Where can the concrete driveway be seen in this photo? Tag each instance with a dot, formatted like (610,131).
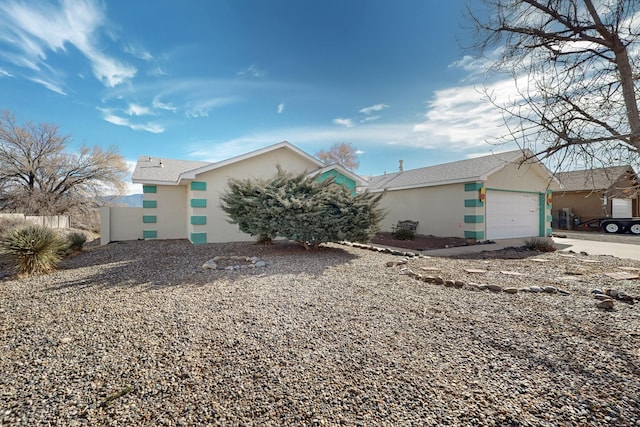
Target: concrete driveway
(595,243)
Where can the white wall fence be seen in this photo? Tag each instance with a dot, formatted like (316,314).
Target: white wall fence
(52,221)
(120,223)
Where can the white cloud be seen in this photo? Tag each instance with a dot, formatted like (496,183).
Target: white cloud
(138,110)
(373,108)
(280,108)
(252,71)
(370,119)
(159,105)
(343,122)
(34,32)
(138,52)
(202,107)
(5,73)
(109,116)
(52,86)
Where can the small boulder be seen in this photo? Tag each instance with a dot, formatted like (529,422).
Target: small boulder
(211,264)
(601,297)
(550,289)
(535,289)
(494,288)
(510,290)
(611,292)
(597,291)
(606,304)
(458,284)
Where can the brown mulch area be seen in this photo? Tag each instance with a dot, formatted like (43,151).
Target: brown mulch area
(420,243)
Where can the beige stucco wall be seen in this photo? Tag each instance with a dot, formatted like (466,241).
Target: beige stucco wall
(217,227)
(440,210)
(120,224)
(523,178)
(171,211)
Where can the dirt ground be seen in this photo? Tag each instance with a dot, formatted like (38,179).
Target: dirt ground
(420,243)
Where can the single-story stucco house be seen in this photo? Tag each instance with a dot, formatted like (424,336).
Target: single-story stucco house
(497,196)
(491,197)
(182,198)
(611,192)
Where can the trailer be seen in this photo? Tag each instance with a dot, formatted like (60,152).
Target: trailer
(614,225)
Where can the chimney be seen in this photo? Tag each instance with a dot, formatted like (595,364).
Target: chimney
(400,168)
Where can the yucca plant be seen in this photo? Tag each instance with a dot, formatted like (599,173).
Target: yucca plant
(34,248)
(76,241)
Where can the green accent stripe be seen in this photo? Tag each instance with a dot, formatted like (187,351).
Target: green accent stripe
(473,219)
(149,219)
(198,203)
(149,189)
(149,203)
(198,238)
(542,215)
(473,203)
(473,186)
(478,235)
(150,234)
(198,186)
(198,220)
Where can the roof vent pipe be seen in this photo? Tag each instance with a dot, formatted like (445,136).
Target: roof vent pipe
(400,168)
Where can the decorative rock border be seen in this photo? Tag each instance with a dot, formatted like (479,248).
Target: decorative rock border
(606,298)
(460,284)
(380,249)
(244,262)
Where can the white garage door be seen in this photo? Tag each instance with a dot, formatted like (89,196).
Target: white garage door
(621,208)
(511,215)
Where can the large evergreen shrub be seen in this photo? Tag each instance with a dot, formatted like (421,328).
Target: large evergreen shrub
(300,208)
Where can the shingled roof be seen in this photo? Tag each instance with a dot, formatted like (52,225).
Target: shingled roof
(469,170)
(594,179)
(154,170)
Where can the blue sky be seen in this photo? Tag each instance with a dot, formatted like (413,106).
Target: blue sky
(210,79)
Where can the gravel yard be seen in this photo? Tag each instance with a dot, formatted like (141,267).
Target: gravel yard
(138,333)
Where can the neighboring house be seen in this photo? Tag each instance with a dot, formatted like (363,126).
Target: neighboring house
(182,198)
(611,192)
(491,197)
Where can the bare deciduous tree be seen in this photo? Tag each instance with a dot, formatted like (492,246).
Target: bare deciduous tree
(341,153)
(576,68)
(38,177)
